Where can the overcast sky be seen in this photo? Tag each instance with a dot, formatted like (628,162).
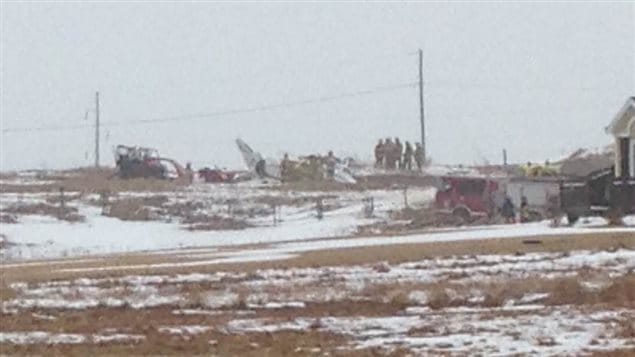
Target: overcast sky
(538,79)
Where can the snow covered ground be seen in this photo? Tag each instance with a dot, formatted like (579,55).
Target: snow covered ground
(38,236)
(305,284)
(445,306)
(554,331)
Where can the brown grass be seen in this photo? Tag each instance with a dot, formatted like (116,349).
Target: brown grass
(392,254)
(315,185)
(6,293)
(56,199)
(45,209)
(214,223)
(291,201)
(8,218)
(130,209)
(441,297)
(138,322)
(568,291)
(183,209)
(626,329)
(563,291)
(248,345)
(621,292)
(497,294)
(625,352)
(15,188)
(91,180)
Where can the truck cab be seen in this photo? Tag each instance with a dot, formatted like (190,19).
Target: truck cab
(466,197)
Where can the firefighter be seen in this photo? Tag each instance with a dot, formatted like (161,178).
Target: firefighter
(407,157)
(524,210)
(389,154)
(398,153)
(419,155)
(379,154)
(507,211)
(189,173)
(331,161)
(284,168)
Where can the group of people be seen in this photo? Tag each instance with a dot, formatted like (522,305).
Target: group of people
(393,155)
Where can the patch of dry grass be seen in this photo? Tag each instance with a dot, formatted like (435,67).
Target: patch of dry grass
(626,329)
(621,291)
(400,253)
(291,201)
(104,179)
(45,209)
(6,293)
(135,209)
(214,223)
(37,188)
(567,291)
(392,254)
(91,180)
(183,209)
(8,218)
(624,352)
(316,185)
(210,343)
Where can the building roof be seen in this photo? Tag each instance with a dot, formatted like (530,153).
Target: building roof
(623,124)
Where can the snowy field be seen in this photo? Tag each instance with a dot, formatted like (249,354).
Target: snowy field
(38,236)
(144,278)
(531,304)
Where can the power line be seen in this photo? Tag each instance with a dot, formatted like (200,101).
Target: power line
(47,128)
(255,109)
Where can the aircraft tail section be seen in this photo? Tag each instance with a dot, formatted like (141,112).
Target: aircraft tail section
(250,157)
(256,163)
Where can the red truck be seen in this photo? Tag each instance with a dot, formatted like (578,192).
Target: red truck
(467,197)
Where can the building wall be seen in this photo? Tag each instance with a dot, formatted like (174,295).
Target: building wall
(632,156)
(618,158)
(626,151)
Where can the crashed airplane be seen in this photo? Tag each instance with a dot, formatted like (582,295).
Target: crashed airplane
(270,168)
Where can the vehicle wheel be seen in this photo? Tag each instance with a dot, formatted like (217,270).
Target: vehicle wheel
(463,214)
(572,218)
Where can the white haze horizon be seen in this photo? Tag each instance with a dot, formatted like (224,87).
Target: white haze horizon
(540,80)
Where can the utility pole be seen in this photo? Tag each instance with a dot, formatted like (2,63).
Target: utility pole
(97,130)
(505,157)
(421,111)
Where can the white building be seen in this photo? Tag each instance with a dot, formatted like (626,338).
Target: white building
(623,129)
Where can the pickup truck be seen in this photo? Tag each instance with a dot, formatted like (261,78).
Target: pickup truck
(599,194)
